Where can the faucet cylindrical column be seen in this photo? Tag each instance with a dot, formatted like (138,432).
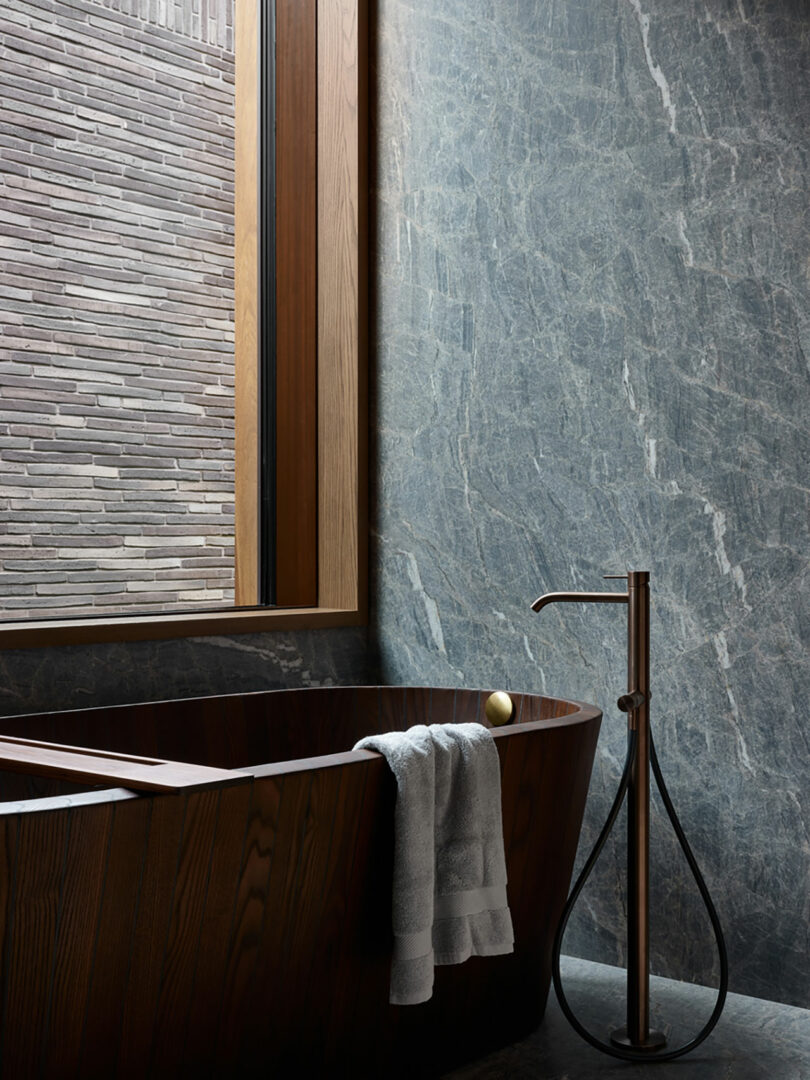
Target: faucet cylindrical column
(638,812)
(637,1034)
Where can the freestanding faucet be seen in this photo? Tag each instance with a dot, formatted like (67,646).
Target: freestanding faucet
(635,1041)
(636,703)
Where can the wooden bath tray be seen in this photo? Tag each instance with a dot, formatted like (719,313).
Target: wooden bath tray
(102,766)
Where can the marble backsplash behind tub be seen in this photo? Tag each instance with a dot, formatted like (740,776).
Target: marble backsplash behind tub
(85,676)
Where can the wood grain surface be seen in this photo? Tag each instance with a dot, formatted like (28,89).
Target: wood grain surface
(206,933)
(246,300)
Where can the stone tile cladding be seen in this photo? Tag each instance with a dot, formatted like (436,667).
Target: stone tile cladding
(116,305)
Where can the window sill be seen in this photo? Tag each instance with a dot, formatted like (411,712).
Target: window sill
(36,634)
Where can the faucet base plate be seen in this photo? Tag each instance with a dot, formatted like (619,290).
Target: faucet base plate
(656,1040)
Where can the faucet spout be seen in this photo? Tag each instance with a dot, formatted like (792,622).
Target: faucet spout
(580,598)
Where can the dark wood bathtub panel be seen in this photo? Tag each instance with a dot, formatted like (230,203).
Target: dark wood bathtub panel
(16,786)
(467,708)
(520,713)
(42,843)
(357,1023)
(9,843)
(531,709)
(183,940)
(294,990)
(79,910)
(101,1031)
(417,707)
(531,775)
(249,912)
(362,955)
(200,1037)
(583,753)
(552,708)
(539,868)
(151,932)
(559,797)
(338,729)
(286,723)
(288,726)
(391,706)
(295,835)
(331,947)
(367,711)
(232,739)
(246,734)
(224,730)
(330,723)
(205,720)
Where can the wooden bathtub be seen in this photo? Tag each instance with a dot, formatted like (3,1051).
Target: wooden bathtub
(246,924)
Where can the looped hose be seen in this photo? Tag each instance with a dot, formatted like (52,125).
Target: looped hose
(606,1048)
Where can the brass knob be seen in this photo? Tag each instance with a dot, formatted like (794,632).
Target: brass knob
(500,708)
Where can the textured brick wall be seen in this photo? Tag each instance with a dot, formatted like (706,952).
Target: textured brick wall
(116,304)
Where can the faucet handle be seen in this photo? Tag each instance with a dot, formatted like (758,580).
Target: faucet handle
(614,577)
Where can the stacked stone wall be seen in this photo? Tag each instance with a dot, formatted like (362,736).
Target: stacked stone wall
(116,305)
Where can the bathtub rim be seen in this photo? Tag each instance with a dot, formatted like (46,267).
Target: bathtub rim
(581,713)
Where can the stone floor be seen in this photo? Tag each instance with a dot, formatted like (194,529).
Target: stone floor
(753,1040)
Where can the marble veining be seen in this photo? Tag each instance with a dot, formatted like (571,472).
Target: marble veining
(592,354)
(83,676)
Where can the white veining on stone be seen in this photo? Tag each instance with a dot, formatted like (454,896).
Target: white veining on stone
(650,455)
(736,571)
(628,386)
(699,110)
(657,74)
(721,648)
(689,257)
(529,652)
(431,607)
(735,158)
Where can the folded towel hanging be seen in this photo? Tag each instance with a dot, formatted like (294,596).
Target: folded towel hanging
(449,890)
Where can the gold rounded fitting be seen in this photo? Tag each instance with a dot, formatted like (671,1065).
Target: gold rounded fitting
(499,708)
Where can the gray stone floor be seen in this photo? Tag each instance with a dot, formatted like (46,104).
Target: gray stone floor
(753,1040)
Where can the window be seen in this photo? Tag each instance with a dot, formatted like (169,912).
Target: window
(308,538)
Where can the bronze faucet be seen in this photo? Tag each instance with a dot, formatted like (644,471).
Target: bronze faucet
(636,703)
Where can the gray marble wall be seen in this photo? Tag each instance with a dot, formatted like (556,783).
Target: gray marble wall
(593,239)
(83,676)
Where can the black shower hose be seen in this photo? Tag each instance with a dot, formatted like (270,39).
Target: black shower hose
(606,1048)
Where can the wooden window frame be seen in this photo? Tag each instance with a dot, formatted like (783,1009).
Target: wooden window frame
(321,398)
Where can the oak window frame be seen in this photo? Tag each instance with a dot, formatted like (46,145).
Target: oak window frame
(320,398)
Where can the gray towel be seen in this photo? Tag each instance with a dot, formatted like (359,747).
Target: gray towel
(449,896)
